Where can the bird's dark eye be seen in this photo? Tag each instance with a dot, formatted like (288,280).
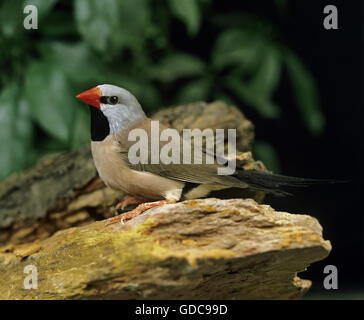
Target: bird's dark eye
(113,100)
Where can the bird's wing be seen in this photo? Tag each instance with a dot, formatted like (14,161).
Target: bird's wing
(195,173)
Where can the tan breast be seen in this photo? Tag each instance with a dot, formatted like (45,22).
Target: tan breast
(117,175)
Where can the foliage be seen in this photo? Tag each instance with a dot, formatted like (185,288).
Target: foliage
(134,44)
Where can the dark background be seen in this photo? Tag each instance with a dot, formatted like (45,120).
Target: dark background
(335,58)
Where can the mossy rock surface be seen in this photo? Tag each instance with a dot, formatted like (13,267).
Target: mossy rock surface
(203,249)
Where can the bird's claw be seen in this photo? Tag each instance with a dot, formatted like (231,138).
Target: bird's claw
(137,211)
(116,219)
(129,201)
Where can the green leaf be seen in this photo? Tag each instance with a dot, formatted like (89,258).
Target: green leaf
(77,61)
(258,92)
(50,98)
(196,90)
(266,153)
(96,21)
(109,25)
(187,11)
(16,131)
(257,68)
(262,104)
(237,47)
(266,79)
(81,128)
(135,22)
(305,93)
(177,66)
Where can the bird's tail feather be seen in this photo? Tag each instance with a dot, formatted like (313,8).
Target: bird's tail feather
(273,183)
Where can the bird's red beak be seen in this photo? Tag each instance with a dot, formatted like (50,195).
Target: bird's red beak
(91,97)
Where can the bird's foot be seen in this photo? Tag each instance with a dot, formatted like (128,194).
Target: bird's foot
(137,211)
(130,200)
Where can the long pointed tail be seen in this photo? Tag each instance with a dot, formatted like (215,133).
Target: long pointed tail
(274,183)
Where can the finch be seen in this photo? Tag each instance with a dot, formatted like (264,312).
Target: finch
(115,112)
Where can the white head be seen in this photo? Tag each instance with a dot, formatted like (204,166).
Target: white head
(118,105)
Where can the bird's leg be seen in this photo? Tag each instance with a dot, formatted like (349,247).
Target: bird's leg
(167,124)
(130,200)
(138,210)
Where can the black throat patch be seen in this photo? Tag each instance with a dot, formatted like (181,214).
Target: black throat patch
(100,128)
